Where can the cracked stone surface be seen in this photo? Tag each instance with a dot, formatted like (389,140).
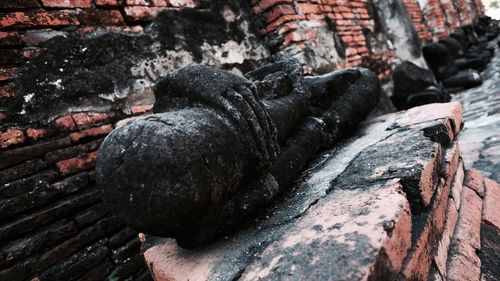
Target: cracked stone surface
(480,138)
(356,214)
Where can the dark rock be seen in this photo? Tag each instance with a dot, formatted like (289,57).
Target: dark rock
(441,63)
(410,78)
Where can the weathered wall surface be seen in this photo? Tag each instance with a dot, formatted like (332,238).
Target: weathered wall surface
(326,35)
(65,82)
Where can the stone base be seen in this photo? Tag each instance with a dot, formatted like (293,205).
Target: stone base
(393,202)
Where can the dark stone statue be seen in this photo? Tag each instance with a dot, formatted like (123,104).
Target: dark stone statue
(414,86)
(220,147)
(442,64)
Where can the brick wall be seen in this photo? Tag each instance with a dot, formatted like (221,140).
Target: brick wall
(435,19)
(53,223)
(300,27)
(450,12)
(420,23)
(25,24)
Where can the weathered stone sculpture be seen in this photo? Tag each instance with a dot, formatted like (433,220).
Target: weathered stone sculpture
(441,63)
(414,86)
(221,147)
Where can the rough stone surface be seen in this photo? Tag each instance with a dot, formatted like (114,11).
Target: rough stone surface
(480,140)
(463,262)
(369,236)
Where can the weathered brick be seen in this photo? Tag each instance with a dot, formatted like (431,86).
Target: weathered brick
(19,4)
(36,134)
(100,17)
(121,237)
(65,123)
(92,132)
(474,180)
(141,13)
(26,223)
(318,243)
(39,19)
(18,155)
(73,244)
(72,152)
(72,184)
(22,170)
(67,3)
(463,263)
(44,237)
(10,39)
(453,205)
(107,2)
(491,206)
(84,120)
(140,109)
(11,137)
(78,264)
(77,164)
(28,184)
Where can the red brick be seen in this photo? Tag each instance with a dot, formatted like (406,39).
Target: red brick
(92,132)
(141,13)
(67,3)
(8,91)
(39,19)
(99,16)
(36,134)
(279,11)
(137,2)
(139,109)
(65,123)
(266,4)
(474,180)
(107,2)
(491,205)
(463,263)
(7,73)
(11,137)
(83,120)
(19,4)
(309,8)
(10,39)
(77,164)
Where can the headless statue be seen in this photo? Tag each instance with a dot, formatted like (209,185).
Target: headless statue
(442,64)
(220,148)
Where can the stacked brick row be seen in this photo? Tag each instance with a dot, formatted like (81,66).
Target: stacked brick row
(463,11)
(436,19)
(451,14)
(53,223)
(296,22)
(25,24)
(415,12)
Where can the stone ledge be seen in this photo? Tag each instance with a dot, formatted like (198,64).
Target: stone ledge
(363,211)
